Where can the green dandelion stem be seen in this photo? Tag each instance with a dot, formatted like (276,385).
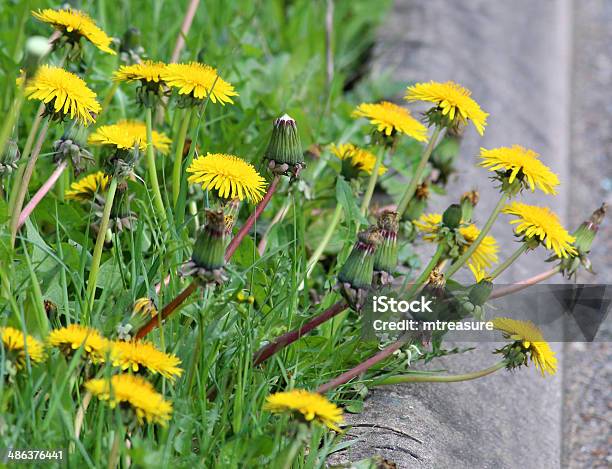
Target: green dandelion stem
(97,254)
(312,262)
(280,215)
(367,197)
(435,378)
(365,365)
(416,178)
(25,154)
(508,262)
(178,155)
(288,338)
(12,115)
(287,456)
(485,230)
(113,458)
(427,271)
(21,187)
(152,170)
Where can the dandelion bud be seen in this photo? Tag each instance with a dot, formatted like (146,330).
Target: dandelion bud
(469,200)
(355,276)
(121,216)
(385,257)
(9,158)
(585,235)
(451,218)
(284,151)
(72,147)
(418,203)
(208,257)
(479,293)
(36,47)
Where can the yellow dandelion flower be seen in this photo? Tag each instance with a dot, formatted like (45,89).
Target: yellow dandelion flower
(137,393)
(454,100)
(522,163)
(389,118)
(542,224)
(358,157)
(74,24)
(485,254)
(146,307)
(126,134)
(86,188)
(229,175)
(429,223)
(134,356)
(479,273)
(344,151)
(71,338)
(18,347)
(529,336)
(311,407)
(148,72)
(198,80)
(64,94)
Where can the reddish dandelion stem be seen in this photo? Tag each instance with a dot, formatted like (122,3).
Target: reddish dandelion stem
(44,189)
(174,304)
(286,339)
(518,286)
(167,311)
(364,366)
(233,245)
(184,32)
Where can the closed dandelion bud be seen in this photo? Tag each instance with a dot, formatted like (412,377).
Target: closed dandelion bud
(418,203)
(284,151)
(355,276)
(72,146)
(121,216)
(121,163)
(10,157)
(208,257)
(451,218)
(584,237)
(479,293)
(585,234)
(469,200)
(385,256)
(36,48)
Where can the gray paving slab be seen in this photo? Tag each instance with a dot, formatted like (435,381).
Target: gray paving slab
(516,57)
